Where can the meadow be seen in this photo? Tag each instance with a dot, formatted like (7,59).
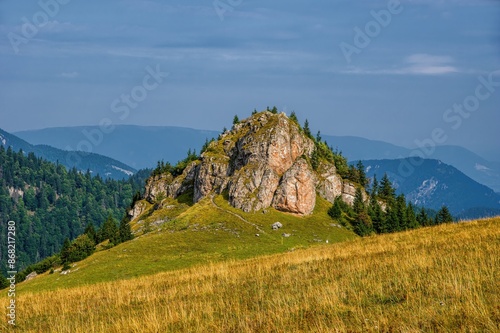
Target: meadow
(436,279)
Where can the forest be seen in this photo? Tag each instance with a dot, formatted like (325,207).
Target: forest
(49,203)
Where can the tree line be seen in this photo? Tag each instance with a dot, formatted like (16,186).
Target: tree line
(380,210)
(50,203)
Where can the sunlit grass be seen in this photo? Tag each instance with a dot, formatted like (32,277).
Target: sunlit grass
(439,279)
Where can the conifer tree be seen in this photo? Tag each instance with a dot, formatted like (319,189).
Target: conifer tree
(422,218)
(236,120)
(90,231)
(410,215)
(361,174)
(307,130)
(386,191)
(124,230)
(64,254)
(443,216)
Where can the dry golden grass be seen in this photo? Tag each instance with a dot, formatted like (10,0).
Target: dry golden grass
(440,279)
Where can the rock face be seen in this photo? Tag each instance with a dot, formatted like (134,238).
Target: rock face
(262,161)
(296,192)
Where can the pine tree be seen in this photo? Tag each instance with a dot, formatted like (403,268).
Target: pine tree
(335,211)
(358,205)
(401,213)
(108,230)
(410,215)
(293,117)
(391,221)
(422,218)
(125,231)
(376,214)
(90,231)
(318,137)
(236,120)
(274,110)
(363,224)
(443,216)
(374,191)
(254,112)
(361,174)
(64,254)
(307,130)
(386,191)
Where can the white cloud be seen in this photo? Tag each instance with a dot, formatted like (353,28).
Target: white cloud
(69,75)
(416,64)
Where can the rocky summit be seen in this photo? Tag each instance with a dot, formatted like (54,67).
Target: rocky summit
(263,161)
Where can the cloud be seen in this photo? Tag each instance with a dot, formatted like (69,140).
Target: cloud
(69,75)
(426,64)
(416,64)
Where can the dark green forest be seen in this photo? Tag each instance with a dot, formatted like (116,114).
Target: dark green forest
(50,203)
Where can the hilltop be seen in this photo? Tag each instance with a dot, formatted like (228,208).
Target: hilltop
(266,160)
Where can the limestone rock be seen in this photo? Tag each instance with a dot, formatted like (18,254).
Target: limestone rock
(329,184)
(276,225)
(297,191)
(262,161)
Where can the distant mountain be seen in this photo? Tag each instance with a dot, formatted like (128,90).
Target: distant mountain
(143,147)
(473,165)
(138,146)
(433,183)
(98,164)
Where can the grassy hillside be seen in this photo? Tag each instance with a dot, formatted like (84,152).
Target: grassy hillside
(210,231)
(439,279)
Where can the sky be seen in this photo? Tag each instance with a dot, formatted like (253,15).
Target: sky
(412,73)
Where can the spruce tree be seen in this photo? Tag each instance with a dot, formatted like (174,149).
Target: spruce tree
(90,231)
(422,218)
(65,251)
(401,213)
(410,215)
(361,174)
(358,205)
(443,216)
(236,120)
(386,191)
(307,130)
(124,230)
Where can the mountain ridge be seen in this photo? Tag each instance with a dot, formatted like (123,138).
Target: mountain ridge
(95,163)
(137,146)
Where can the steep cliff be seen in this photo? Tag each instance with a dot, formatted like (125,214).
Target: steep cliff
(263,161)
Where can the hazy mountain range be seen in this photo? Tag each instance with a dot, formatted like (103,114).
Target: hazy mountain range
(142,147)
(95,163)
(433,184)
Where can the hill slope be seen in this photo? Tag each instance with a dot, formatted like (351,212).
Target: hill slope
(98,164)
(442,278)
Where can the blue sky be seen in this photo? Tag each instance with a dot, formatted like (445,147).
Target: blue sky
(421,60)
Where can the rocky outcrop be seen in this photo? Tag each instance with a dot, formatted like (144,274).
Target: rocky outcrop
(296,192)
(330,184)
(262,161)
(165,185)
